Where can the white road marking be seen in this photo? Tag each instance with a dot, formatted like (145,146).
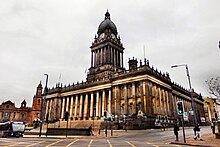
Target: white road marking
(130,143)
(54,142)
(35,143)
(72,142)
(109,143)
(18,143)
(90,143)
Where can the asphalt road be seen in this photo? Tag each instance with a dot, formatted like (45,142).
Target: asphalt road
(148,138)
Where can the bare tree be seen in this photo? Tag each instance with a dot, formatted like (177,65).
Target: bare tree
(213,86)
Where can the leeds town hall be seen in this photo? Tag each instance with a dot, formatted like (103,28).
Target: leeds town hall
(110,89)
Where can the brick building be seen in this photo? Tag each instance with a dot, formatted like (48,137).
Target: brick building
(8,112)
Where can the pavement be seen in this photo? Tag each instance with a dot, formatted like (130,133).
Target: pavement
(208,139)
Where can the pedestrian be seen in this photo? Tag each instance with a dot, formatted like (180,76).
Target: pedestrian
(163,126)
(90,130)
(213,127)
(197,130)
(176,129)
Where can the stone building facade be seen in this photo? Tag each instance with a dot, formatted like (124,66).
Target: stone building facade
(8,112)
(113,89)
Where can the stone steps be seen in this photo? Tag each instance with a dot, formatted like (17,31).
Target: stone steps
(76,124)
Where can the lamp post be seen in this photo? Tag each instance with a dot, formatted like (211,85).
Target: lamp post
(43,105)
(190,86)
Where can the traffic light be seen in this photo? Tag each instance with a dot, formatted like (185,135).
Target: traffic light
(180,107)
(66,116)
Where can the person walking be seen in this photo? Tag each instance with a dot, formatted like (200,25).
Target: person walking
(213,127)
(197,130)
(90,130)
(176,129)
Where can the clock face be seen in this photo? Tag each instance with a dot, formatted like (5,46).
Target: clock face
(102,35)
(113,36)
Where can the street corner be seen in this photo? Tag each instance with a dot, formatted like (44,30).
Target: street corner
(206,141)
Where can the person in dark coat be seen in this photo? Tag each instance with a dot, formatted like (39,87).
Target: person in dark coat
(213,127)
(176,129)
(197,130)
(90,130)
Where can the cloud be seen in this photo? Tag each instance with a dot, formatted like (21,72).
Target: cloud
(51,36)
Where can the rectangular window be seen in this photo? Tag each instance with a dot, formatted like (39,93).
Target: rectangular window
(38,102)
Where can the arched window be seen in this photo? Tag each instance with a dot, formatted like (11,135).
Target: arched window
(22,116)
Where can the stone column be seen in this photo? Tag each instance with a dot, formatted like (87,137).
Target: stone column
(117,100)
(100,106)
(142,90)
(103,102)
(67,104)
(91,107)
(76,105)
(145,96)
(101,56)
(86,107)
(71,107)
(50,110)
(165,102)
(55,108)
(99,60)
(63,105)
(122,59)
(59,107)
(110,55)
(134,98)
(173,104)
(161,101)
(97,105)
(80,106)
(116,57)
(91,59)
(104,54)
(109,101)
(113,56)
(125,99)
(95,58)
(47,106)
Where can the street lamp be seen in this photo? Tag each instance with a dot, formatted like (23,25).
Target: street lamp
(190,86)
(43,105)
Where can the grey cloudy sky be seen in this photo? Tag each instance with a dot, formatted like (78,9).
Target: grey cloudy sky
(54,36)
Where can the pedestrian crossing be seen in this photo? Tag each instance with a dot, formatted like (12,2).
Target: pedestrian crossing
(78,142)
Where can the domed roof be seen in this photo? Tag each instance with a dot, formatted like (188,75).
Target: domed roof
(107,24)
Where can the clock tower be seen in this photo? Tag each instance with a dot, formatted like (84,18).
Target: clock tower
(106,51)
